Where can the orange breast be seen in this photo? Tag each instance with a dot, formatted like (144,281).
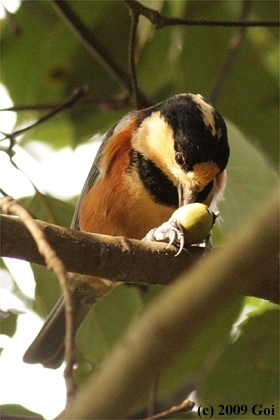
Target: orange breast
(118,204)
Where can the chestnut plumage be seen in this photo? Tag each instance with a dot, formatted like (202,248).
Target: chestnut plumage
(152,162)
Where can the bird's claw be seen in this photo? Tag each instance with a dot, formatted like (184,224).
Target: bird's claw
(208,243)
(171,231)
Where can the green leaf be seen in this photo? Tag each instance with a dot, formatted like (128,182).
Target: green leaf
(251,96)
(58,131)
(49,209)
(55,211)
(248,371)
(48,290)
(190,59)
(8,324)
(104,325)
(18,410)
(251,179)
(207,346)
(97,121)
(12,307)
(46,62)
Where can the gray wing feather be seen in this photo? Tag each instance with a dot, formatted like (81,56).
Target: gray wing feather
(48,346)
(94,170)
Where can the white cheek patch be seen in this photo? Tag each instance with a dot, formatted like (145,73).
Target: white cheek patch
(208,114)
(154,137)
(155,140)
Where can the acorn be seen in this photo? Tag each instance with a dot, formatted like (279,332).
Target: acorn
(188,225)
(196,220)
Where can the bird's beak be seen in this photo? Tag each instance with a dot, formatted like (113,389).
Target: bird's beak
(186,195)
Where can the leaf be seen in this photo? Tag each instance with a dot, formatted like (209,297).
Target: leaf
(12,302)
(18,410)
(104,325)
(251,179)
(45,63)
(49,209)
(190,59)
(210,343)
(94,121)
(251,96)
(47,290)
(8,325)
(55,211)
(248,371)
(58,131)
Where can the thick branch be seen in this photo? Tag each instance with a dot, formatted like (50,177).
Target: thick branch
(113,258)
(127,260)
(172,321)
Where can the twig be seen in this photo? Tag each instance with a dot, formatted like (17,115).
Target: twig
(8,150)
(96,49)
(117,102)
(11,153)
(153,397)
(9,205)
(185,406)
(159,20)
(230,60)
(3,192)
(132,42)
(13,25)
(76,96)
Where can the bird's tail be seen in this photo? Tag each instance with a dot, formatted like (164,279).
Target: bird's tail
(48,347)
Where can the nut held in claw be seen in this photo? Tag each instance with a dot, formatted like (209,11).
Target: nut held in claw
(189,224)
(196,220)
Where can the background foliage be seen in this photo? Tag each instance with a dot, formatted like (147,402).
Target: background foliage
(43,62)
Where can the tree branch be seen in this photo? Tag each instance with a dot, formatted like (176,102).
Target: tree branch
(113,258)
(121,259)
(235,44)
(53,262)
(159,20)
(76,96)
(116,102)
(96,49)
(172,321)
(184,407)
(132,65)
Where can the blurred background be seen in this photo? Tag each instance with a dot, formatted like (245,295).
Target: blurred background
(43,63)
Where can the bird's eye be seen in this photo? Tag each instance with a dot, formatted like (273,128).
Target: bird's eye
(179,158)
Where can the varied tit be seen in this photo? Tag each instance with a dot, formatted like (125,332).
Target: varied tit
(189,224)
(152,162)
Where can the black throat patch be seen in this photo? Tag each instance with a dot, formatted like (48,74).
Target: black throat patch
(155,181)
(161,189)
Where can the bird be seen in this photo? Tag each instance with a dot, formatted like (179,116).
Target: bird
(153,161)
